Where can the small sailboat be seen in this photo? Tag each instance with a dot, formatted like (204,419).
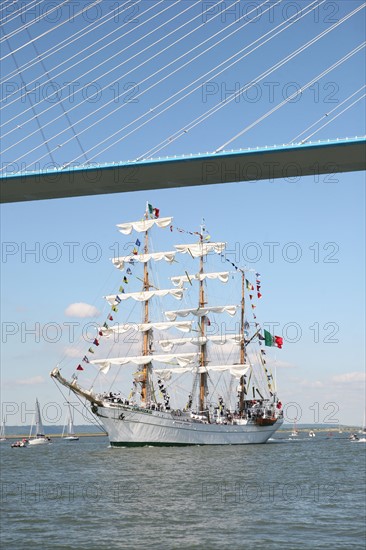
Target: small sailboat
(294,432)
(2,432)
(68,433)
(40,438)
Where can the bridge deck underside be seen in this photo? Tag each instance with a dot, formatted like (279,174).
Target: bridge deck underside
(253,165)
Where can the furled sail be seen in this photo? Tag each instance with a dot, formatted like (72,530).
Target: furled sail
(182,359)
(184,326)
(235,370)
(166,374)
(143,225)
(199,312)
(223,276)
(143,296)
(143,258)
(168,344)
(200,249)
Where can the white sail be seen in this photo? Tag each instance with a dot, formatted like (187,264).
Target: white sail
(166,374)
(143,258)
(235,370)
(181,359)
(183,326)
(38,420)
(200,249)
(2,431)
(143,225)
(223,276)
(70,425)
(220,339)
(68,433)
(144,295)
(199,312)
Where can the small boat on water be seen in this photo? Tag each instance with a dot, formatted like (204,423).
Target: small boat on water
(68,433)
(40,438)
(294,432)
(311,433)
(22,444)
(354,437)
(2,432)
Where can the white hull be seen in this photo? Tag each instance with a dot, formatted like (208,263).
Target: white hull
(71,438)
(38,441)
(128,426)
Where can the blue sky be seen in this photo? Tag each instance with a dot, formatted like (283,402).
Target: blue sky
(325,217)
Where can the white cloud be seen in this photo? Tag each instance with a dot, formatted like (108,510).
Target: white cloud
(80,309)
(31,381)
(349,377)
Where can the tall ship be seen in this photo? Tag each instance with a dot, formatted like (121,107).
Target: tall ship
(197,375)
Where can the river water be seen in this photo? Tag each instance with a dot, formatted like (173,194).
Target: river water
(288,494)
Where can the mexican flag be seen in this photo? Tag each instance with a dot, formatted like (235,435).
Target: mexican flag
(268,340)
(272,341)
(154,212)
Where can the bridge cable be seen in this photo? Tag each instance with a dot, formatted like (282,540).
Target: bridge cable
(216,108)
(55,119)
(333,118)
(290,98)
(114,68)
(67,42)
(99,120)
(293,140)
(52,29)
(19,11)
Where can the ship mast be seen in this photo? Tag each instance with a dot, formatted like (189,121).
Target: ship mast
(242,345)
(203,375)
(145,345)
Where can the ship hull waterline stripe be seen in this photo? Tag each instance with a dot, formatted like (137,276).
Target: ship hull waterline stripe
(155,444)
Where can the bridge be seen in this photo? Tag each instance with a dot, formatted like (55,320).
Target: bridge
(289,162)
